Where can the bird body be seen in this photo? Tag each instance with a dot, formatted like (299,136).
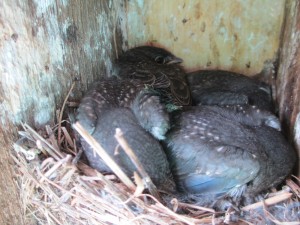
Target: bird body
(229,143)
(146,78)
(126,104)
(157,68)
(147,149)
(210,153)
(112,93)
(217,87)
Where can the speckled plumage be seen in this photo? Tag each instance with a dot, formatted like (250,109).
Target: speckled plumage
(157,68)
(217,87)
(213,152)
(127,104)
(115,93)
(145,146)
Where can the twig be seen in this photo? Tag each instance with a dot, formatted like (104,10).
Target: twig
(247,222)
(102,153)
(51,138)
(160,207)
(77,157)
(269,201)
(61,113)
(113,190)
(293,186)
(55,167)
(274,220)
(50,149)
(68,137)
(139,187)
(186,205)
(44,210)
(147,180)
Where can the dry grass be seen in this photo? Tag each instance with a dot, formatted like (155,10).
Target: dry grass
(56,188)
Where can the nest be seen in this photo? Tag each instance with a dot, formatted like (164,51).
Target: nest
(58,187)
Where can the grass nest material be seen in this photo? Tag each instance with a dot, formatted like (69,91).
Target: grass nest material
(58,187)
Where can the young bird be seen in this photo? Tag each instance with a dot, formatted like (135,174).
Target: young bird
(126,104)
(217,87)
(157,68)
(235,151)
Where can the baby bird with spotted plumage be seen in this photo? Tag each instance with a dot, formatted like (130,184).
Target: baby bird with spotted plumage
(228,145)
(136,101)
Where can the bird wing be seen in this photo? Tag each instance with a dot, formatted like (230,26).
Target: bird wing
(217,97)
(212,169)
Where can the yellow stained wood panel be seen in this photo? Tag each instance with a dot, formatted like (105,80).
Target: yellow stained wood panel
(236,35)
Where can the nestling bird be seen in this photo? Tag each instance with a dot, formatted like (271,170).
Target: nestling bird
(128,105)
(115,93)
(147,149)
(157,68)
(215,153)
(217,87)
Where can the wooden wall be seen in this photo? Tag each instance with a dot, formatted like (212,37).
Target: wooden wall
(288,78)
(235,35)
(44,47)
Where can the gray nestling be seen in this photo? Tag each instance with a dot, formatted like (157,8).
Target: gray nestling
(217,87)
(157,68)
(213,153)
(115,93)
(128,105)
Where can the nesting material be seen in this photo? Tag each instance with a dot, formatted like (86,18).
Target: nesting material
(57,187)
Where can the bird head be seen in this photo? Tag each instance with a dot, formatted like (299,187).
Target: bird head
(171,59)
(154,54)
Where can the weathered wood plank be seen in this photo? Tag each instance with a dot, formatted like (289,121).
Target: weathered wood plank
(44,47)
(288,80)
(11,212)
(210,34)
(47,45)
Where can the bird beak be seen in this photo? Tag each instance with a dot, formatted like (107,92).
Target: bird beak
(175,60)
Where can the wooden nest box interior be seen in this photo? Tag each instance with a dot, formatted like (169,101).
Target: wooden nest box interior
(46,46)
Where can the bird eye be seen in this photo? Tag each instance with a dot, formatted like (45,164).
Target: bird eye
(160,60)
